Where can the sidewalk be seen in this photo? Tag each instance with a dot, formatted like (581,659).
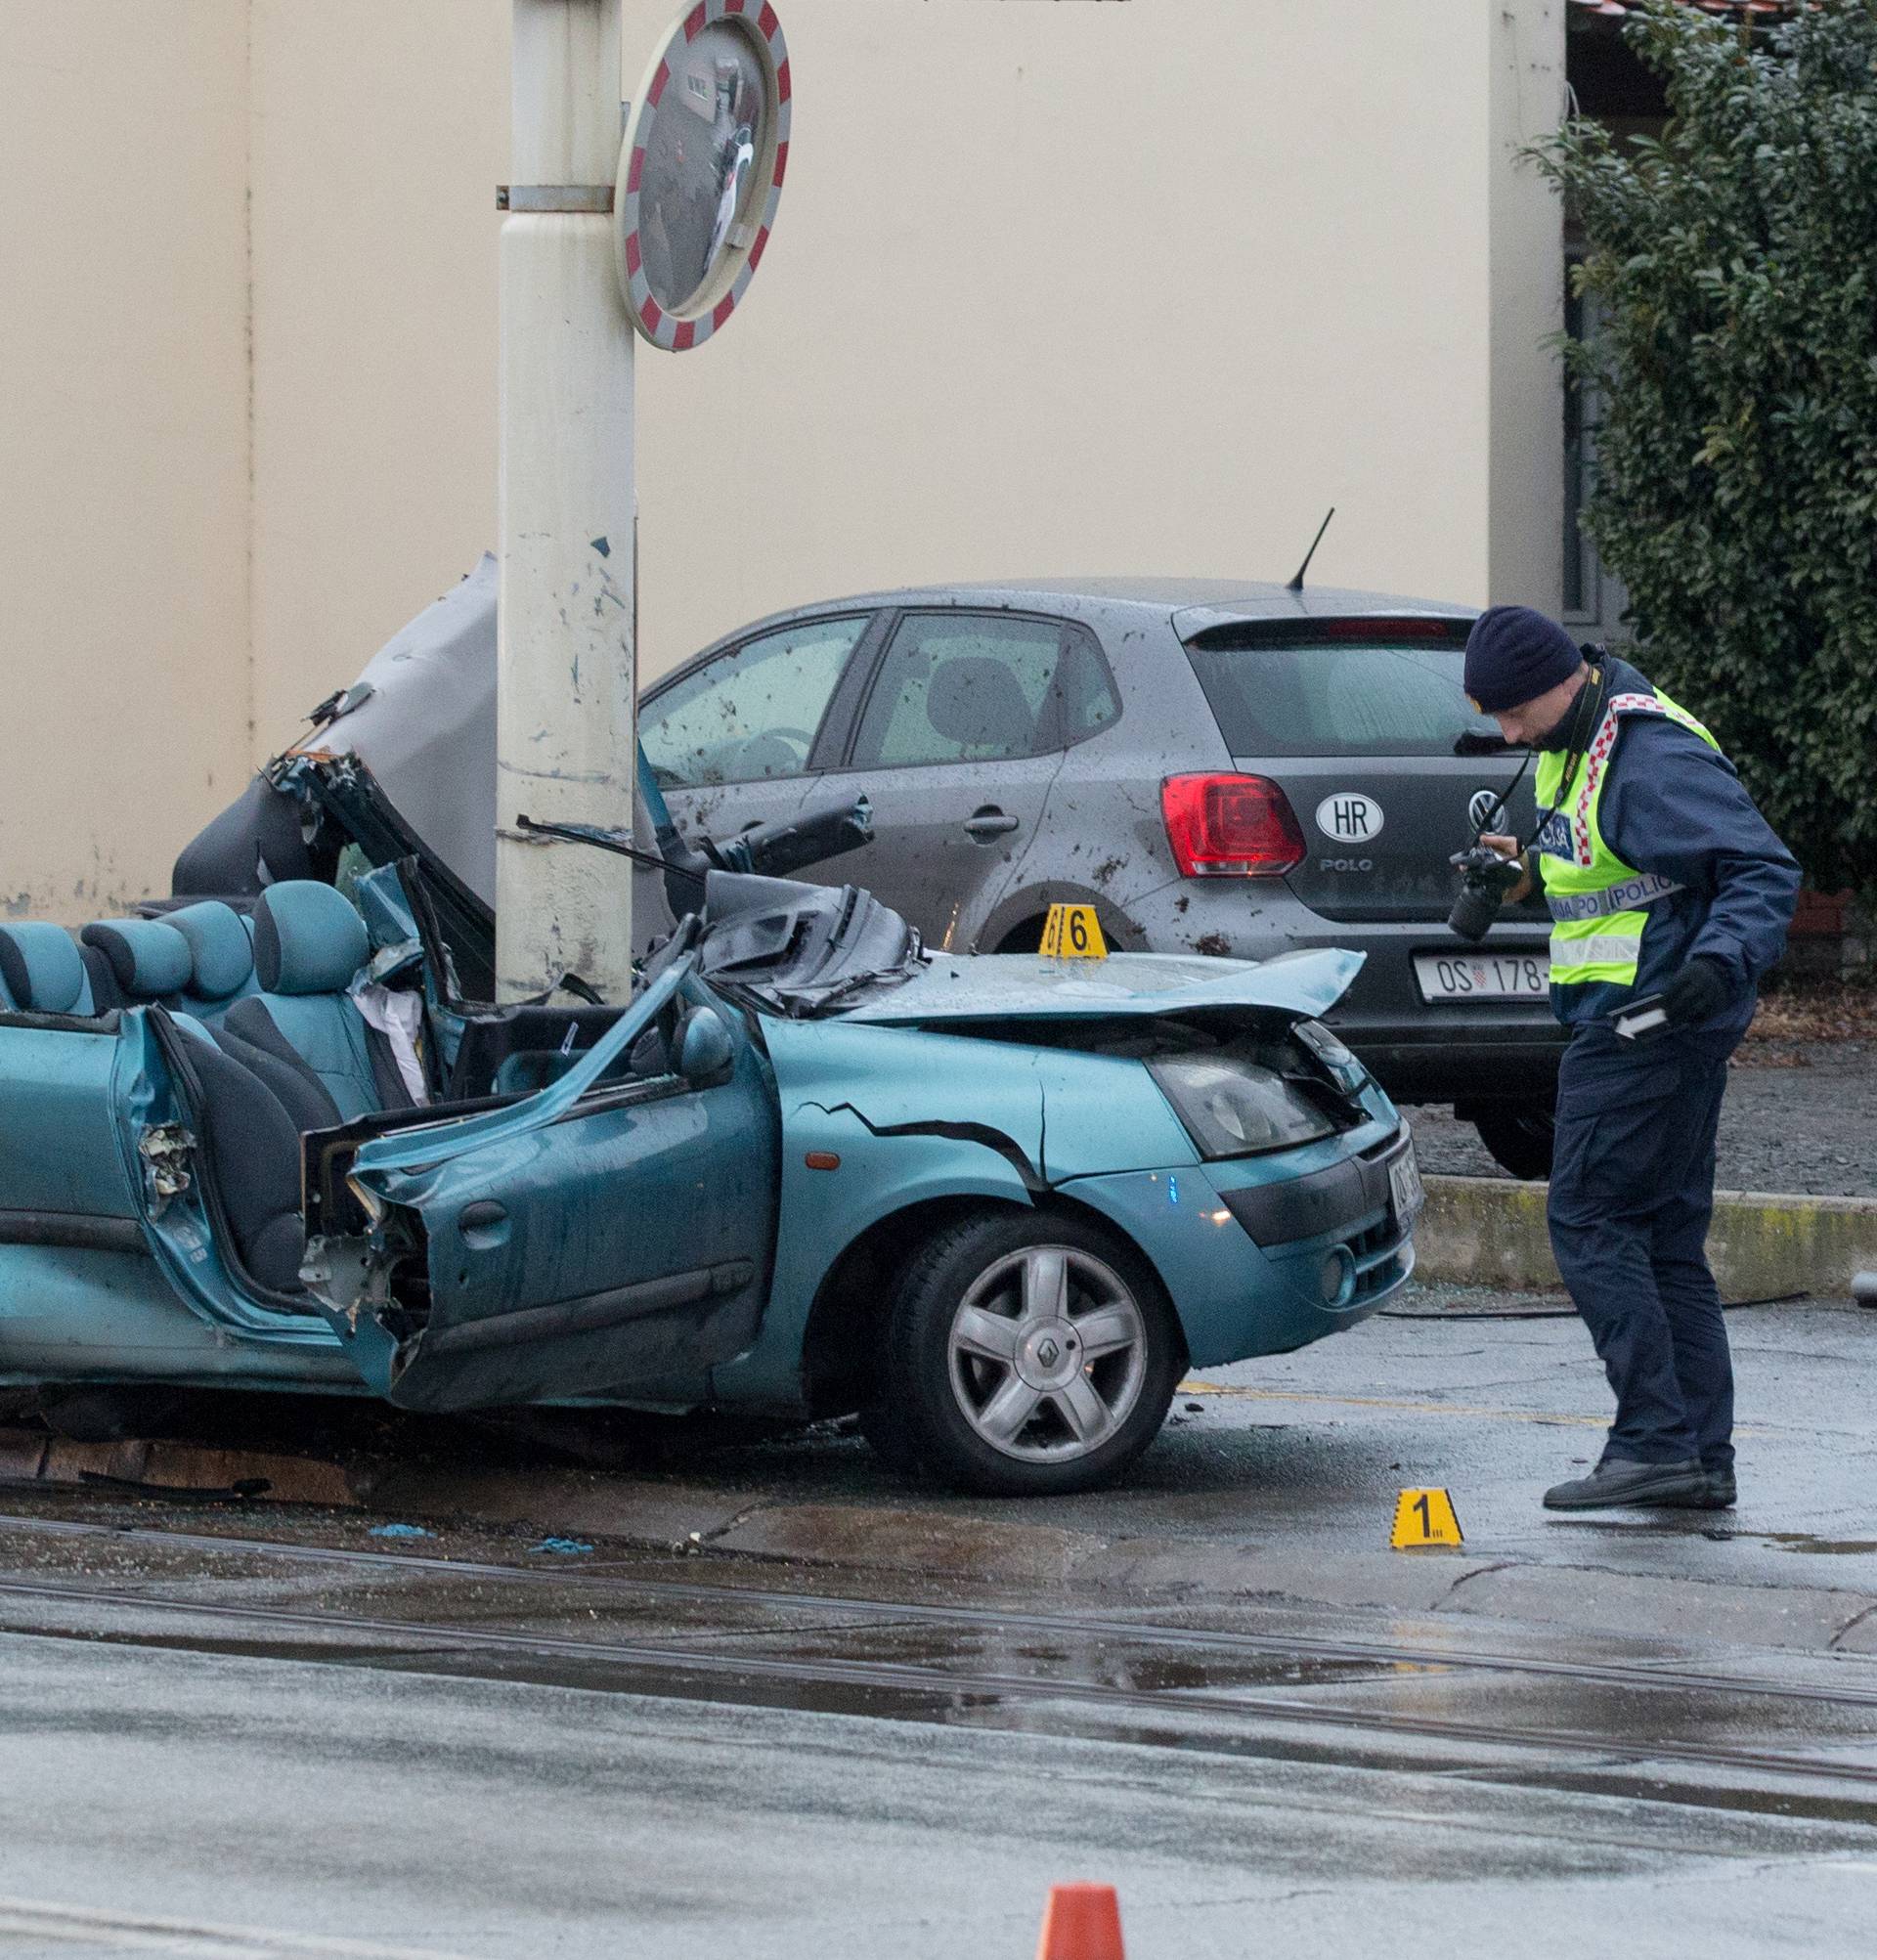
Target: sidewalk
(1799,1117)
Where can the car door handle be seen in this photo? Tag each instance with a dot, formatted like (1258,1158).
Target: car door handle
(483,1224)
(990,821)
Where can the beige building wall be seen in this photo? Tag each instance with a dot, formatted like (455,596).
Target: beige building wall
(123,442)
(1056,288)
(1095,288)
(380,133)
(1525,481)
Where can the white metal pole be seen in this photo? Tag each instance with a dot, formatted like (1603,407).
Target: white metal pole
(564,717)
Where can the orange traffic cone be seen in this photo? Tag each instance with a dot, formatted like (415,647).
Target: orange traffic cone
(1081,1922)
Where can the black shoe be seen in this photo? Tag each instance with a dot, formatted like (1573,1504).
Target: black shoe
(1619,1481)
(1722,1491)
(1719,1493)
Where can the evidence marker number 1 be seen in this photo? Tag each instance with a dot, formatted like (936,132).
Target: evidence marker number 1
(1424,1517)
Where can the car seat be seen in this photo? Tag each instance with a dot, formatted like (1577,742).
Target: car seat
(132,961)
(221,945)
(979,705)
(253,1146)
(42,971)
(309,944)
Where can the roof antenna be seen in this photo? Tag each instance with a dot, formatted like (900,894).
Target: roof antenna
(1296,584)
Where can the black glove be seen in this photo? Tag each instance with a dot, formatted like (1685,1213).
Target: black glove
(1700,991)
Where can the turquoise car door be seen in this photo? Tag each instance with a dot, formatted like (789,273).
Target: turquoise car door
(63,1177)
(610,1238)
(79,1294)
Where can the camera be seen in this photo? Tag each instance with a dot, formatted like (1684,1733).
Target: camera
(1485,878)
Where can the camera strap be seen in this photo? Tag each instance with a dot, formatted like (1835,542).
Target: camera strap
(1584,720)
(1498,810)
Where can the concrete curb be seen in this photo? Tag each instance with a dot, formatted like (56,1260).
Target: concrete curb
(1490,1232)
(690,1519)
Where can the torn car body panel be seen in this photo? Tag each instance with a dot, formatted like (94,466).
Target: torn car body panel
(879,1122)
(626,1245)
(611,1232)
(1028,986)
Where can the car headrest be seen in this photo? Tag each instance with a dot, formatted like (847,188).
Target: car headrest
(307,938)
(979,704)
(40,968)
(221,946)
(148,958)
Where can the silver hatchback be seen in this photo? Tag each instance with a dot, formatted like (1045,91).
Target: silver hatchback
(1240,769)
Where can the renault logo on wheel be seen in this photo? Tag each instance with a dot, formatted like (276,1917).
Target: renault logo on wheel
(1349,817)
(1481,807)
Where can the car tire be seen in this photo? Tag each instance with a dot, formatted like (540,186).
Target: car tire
(1023,1411)
(1520,1134)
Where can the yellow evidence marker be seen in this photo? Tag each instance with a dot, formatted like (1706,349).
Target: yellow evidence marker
(1074,933)
(1424,1517)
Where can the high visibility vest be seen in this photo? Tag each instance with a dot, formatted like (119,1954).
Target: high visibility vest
(1598,904)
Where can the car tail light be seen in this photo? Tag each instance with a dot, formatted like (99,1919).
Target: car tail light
(1230,827)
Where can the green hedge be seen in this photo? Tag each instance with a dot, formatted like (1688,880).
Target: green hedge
(1735,265)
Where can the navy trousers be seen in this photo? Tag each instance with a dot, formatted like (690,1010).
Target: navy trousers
(1631,1194)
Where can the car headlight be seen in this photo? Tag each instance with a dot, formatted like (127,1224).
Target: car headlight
(1344,1069)
(1233,1107)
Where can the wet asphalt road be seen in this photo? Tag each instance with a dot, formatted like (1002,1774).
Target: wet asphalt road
(1798,1117)
(404,1810)
(1298,1458)
(579,1761)
(399,1809)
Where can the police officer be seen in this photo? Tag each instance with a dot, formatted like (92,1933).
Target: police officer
(1662,879)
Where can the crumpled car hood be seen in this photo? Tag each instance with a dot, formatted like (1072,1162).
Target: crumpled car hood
(1025,986)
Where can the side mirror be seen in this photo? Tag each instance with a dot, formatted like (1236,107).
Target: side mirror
(704,1051)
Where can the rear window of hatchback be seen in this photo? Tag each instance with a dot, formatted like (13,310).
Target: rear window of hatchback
(1340,687)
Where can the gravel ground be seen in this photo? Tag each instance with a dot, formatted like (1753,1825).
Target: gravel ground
(1797,1118)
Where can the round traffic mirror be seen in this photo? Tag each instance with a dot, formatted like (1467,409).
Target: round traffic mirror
(700,170)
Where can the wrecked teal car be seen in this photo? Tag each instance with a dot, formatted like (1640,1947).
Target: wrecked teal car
(993,1206)
(997,1205)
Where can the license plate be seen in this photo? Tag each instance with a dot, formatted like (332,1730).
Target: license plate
(1405,1188)
(1483,976)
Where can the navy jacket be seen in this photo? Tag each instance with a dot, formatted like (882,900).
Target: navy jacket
(1673,804)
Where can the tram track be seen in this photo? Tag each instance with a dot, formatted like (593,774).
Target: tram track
(1242,1721)
(1304,1649)
(439,1644)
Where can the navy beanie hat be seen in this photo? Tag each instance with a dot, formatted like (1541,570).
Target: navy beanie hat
(1513,655)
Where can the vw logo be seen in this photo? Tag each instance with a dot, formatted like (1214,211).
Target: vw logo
(1480,808)
(1349,817)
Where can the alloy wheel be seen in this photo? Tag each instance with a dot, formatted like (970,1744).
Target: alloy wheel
(1048,1353)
